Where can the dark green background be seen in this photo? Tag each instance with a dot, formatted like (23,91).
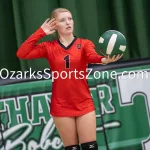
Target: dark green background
(21,18)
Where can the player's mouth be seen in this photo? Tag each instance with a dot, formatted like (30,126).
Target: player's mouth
(69,27)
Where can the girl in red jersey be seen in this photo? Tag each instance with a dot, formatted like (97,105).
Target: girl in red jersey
(72,107)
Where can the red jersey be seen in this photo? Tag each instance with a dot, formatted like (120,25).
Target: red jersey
(70,91)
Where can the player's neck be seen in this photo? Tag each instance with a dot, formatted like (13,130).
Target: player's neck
(66,39)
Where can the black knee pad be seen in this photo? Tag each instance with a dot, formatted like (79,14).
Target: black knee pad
(72,147)
(90,146)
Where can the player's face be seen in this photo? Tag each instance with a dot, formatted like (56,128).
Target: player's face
(64,23)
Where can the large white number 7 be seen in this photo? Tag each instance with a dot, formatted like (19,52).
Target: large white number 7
(129,88)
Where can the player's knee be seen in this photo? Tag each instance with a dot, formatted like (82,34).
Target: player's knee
(72,147)
(90,146)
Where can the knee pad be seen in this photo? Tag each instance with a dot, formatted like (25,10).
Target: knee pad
(90,146)
(72,147)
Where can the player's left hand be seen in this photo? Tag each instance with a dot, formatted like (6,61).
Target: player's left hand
(109,59)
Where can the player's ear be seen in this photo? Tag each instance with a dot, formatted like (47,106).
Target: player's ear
(56,24)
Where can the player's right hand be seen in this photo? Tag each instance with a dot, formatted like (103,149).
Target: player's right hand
(49,26)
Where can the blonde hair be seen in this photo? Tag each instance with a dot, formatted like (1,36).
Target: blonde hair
(58,10)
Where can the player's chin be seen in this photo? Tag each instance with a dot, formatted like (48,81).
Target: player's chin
(69,32)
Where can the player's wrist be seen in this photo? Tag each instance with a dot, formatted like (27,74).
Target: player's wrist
(104,61)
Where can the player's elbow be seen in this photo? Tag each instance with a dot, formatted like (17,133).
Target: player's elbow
(20,55)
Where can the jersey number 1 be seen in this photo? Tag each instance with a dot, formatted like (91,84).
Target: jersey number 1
(67,61)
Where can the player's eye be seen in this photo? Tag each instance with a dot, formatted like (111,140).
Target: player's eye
(69,18)
(61,20)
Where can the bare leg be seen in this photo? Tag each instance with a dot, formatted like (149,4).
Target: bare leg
(86,127)
(66,126)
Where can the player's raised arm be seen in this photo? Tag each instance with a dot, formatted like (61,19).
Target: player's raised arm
(29,49)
